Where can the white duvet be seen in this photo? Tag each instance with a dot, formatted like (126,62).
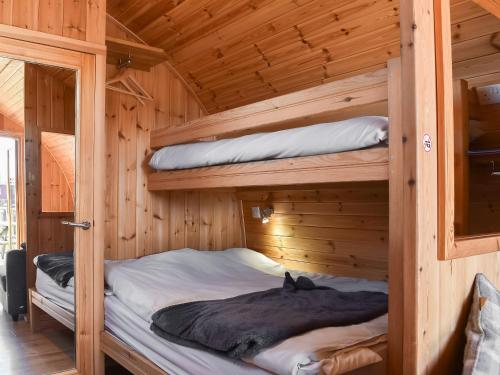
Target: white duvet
(327,138)
(148,284)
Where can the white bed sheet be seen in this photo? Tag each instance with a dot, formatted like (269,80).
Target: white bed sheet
(150,283)
(352,134)
(64,297)
(174,359)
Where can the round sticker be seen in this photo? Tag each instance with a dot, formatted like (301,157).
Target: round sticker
(427,142)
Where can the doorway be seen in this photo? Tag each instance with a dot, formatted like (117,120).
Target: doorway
(9,238)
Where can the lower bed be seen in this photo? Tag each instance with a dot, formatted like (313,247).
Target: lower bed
(139,288)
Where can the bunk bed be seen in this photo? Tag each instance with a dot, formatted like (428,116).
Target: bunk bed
(349,98)
(371,94)
(53,299)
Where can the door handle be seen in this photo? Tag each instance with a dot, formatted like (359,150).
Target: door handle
(85,225)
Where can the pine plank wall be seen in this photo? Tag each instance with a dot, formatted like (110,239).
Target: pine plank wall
(83,20)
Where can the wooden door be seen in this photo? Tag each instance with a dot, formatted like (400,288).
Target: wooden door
(89,191)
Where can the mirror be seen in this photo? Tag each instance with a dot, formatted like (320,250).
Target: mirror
(37,192)
(468,83)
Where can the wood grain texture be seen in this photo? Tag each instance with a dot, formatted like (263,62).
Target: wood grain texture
(137,221)
(437,293)
(57,195)
(237,53)
(340,229)
(83,20)
(322,103)
(48,184)
(361,165)
(45,352)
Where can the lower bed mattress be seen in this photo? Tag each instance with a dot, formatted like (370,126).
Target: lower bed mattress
(64,297)
(325,351)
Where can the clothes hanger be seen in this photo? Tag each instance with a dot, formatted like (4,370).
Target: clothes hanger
(125,83)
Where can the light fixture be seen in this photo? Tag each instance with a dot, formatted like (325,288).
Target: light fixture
(263,214)
(266,214)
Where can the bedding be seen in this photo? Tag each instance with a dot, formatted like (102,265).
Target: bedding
(148,284)
(58,266)
(244,325)
(352,134)
(179,360)
(64,297)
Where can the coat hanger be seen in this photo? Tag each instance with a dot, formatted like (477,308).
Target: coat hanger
(125,83)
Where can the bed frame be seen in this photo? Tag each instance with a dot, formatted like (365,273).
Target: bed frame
(137,364)
(376,93)
(366,94)
(38,304)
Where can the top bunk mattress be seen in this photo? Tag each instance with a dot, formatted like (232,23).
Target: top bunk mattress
(327,138)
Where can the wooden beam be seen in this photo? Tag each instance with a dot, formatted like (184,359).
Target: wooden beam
(461,157)
(362,165)
(396,220)
(419,202)
(122,353)
(492,6)
(63,316)
(143,57)
(296,109)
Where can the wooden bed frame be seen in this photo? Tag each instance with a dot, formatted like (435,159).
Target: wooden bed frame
(366,94)
(38,304)
(377,93)
(137,364)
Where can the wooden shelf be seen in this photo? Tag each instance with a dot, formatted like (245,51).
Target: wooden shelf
(144,57)
(362,165)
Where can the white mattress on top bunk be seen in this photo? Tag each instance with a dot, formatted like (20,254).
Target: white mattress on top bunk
(143,286)
(352,134)
(64,297)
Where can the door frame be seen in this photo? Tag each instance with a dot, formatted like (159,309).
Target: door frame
(89,61)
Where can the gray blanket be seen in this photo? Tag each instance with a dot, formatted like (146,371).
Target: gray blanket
(58,266)
(244,325)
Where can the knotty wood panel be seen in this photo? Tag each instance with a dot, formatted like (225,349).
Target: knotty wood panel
(83,20)
(12,89)
(139,222)
(44,110)
(57,196)
(236,53)
(339,228)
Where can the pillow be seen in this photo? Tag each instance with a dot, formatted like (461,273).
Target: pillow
(482,354)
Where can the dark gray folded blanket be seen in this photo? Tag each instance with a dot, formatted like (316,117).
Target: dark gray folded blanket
(244,325)
(59,266)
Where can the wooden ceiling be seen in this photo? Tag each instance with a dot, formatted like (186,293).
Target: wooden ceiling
(12,90)
(233,53)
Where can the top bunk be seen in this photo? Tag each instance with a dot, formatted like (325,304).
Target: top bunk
(344,101)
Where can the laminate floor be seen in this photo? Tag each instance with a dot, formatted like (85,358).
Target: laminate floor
(25,353)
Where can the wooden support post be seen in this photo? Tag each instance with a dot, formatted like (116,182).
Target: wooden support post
(419,202)
(34,314)
(461,157)
(396,214)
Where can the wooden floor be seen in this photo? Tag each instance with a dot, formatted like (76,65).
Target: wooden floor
(23,352)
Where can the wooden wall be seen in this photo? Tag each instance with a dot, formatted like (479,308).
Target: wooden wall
(137,221)
(444,288)
(340,229)
(77,19)
(57,194)
(44,110)
(10,127)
